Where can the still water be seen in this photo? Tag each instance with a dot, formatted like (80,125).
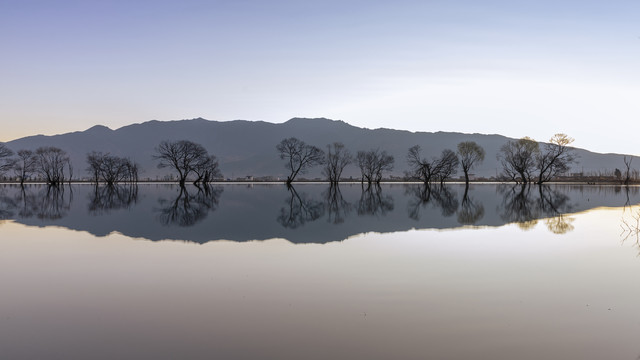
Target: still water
(266,272)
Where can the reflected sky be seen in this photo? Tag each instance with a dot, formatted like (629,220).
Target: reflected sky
(476,293)
(306,213)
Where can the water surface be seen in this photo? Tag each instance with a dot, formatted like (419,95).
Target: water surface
(154,272)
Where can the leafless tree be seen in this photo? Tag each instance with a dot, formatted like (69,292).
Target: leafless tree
(6,162)
(446,165)
(518,158)
(373,164)
(338,157)
(438,168)
(299,156)
(110,168)
(51,163)
(206,169)
(420,168)
(470,154)
(183,156)
(556,158)
(25,165)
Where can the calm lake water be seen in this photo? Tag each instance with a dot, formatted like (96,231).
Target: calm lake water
(263,272)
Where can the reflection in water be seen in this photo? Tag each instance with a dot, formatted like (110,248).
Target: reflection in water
(438,196)
(337,207)
(187,209)
(307,213)
(112,197)
(46,202)
(372,202)
(300,209)
(470,211)
(523,205)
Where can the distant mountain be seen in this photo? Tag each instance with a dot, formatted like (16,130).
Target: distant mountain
(247,148)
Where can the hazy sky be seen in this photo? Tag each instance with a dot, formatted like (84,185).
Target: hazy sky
(518,68)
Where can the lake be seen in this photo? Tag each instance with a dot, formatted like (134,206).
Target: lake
(259,271)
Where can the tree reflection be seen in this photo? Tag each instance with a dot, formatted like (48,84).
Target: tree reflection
(438,196)
(372,202)
(337,207)
(523,206)
(300,210)
(187,209)
(470,210)
(112,197)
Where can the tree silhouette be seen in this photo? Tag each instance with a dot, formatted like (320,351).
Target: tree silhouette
(51,163)
(299,156)
(518,158)
(338,157)
(556,158)
(373,164)
(5,158)
(185,157)
(470,154)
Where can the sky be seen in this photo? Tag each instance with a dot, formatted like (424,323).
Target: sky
(516,68)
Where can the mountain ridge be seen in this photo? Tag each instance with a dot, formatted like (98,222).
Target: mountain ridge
(247,148)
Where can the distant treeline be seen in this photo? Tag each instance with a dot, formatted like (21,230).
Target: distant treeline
(523,161)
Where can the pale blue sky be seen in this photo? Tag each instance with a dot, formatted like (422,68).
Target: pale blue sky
(518,68)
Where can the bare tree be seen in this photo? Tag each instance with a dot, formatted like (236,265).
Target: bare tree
(556,158)
(51,163)
(438,168)
(420,168)
(470,154)
(518,159)
(111,169)
(6,162)
(446,165)
(338,157)
(25,165)
(300,157)
(373,164)
(183,156)
(207,169)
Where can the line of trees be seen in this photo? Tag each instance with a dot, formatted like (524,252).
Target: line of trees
(49,163)
(300,157)
(523,161)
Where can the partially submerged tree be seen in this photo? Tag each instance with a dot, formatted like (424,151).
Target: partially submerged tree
(470,154)
(556,158)
(436,169)
(373,164)
(627,172)
(25,165)
(446,165)
(207,169)
(51,163)
(299,156)
(338,157)
(111,169)
(518,158)
(183,156)
(420,168)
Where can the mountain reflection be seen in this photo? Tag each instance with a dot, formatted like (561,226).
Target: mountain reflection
(306,213)
(187,209)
